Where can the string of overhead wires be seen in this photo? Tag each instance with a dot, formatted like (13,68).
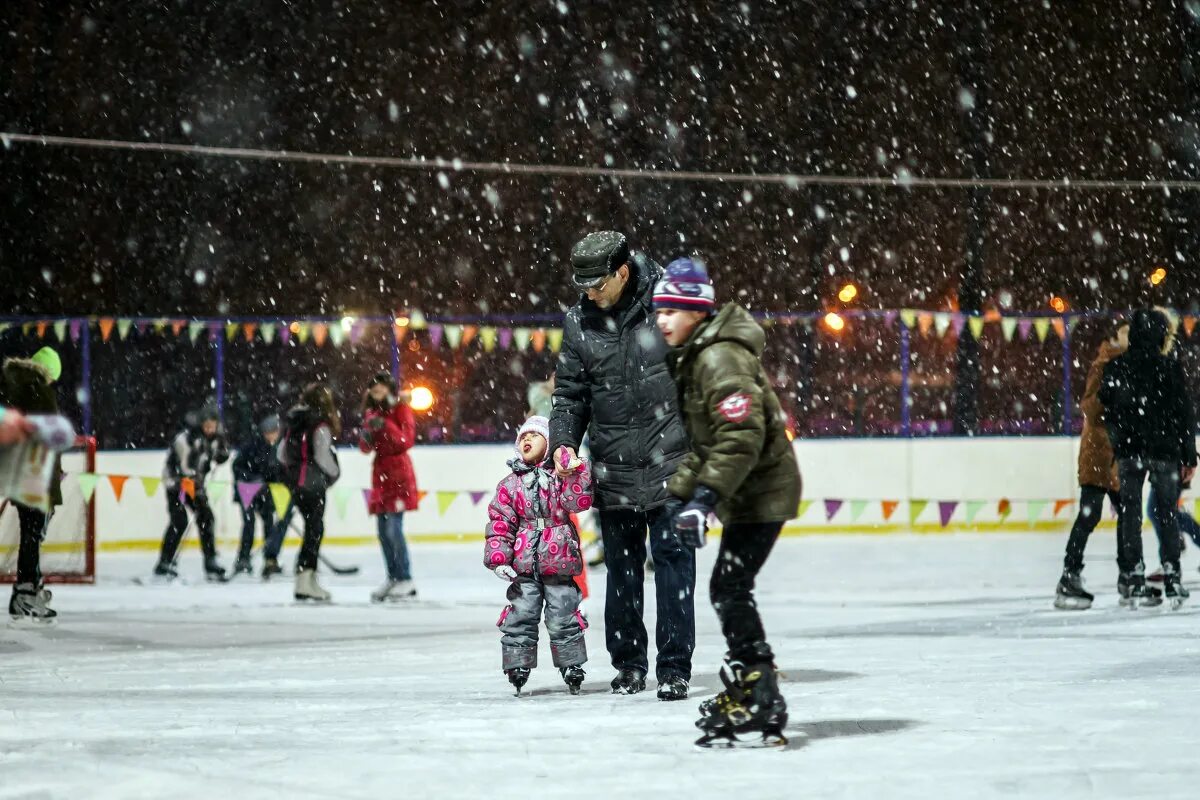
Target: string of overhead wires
(792,180)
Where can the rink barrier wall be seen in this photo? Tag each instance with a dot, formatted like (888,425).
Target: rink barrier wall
(958,469)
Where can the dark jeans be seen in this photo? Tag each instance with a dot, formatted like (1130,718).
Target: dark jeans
(744,550)
(311,506)
(624,535)
(1187,523)
(1091,508)
(274,543)
(263,506)
(395,548)
(1164,479)
(177,505)
(29,552)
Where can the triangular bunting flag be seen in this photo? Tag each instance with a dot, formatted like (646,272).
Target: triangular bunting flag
(357,330)
(216,490)
(302,331)
(1059,327)
(1196,507)
(802,508)
(521,337)
(60,330)
(1004,508)
(268,332)
(337,334)
(487,337)
(946,511)
(123,326)
(117,482)
(1189,323)
(1042,326)
(320,332)
(41,329)
(941,323)
(539,340)
(188,487)
(341,500)
(1024,326)
(1009,326)
(421,496)
(444,499)
(469,332)
(194,329)
(150,485)
(367,498)
(857,507)
(973,509)
(454,335)
(231,330)
(285,332)
(889,507)
(925,323)
(177,326)
(416,320)
(247,491)
(160,326)
(435,336)
(400,332)
(87,484)
(476,497)
(76,328)
(1059,505)
(248,331)
(26,328)
(106,327)
(506,337)
(554,339)
(280,496)
(975,324)
(831,508)
(915,507)
(889,318)
(908,316)
(1035,509)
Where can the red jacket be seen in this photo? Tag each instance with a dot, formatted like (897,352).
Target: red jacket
(392,478)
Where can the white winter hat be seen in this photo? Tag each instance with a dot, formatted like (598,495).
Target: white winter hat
(535,424)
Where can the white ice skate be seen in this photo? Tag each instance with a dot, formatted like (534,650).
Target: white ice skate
(392,590)
(307,587)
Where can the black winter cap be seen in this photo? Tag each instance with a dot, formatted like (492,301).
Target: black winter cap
(596,256)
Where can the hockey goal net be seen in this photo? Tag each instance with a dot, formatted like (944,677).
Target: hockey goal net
(69,549)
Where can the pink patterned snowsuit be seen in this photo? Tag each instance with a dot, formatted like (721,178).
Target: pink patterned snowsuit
(530,529)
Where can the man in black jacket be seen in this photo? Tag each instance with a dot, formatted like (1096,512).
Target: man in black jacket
(1152,426)
(612,383)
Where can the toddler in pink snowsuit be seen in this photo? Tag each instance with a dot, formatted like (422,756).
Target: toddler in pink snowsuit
(532,543)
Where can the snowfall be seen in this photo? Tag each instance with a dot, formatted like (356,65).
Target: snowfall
(915,666)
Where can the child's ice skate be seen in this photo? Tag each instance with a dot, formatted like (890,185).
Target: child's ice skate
(517,676)
(573,677)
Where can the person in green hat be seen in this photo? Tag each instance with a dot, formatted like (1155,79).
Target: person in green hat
(28,387)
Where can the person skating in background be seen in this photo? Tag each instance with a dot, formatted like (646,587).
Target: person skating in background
(532,543)
(28,388)
(1097,468)
(1151,423)
(390,430)
(310,467)
(540,397)
(613,385)
(194,453)
(741,467)
(256,463)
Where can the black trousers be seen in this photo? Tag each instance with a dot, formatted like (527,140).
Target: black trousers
(177,505)
(744,551)
(1091,508)
(311,506)
(264,507)
(29,552)
(1165,478)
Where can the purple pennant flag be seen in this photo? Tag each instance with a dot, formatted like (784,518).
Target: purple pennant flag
(143,326)
(476,497)
(367,497)
(1023,327)
(889,318)
(76,329)
(357,328)
(831,508)
(247,492)
(285,333)
(957,322)
(435,336)
(946,510)
(214,331)
(505,338)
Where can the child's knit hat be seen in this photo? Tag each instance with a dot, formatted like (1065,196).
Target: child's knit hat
(535,424)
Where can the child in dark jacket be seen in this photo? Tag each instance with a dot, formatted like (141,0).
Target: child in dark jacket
(532,543)
(254,468)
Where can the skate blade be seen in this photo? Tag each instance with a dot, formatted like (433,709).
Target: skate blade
(573,689)
(304,599)
(727,742)
(1072,604)
(23,621)
(1177,603)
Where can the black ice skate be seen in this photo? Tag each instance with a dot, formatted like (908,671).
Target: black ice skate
(673,688)
(243,566)
(29,603)
(1177,594)
(573,678)
(214,572)
(749,713)
(517,676)
(1134,591)
(628,681)
(271,568)
(1070,595)
(165,571)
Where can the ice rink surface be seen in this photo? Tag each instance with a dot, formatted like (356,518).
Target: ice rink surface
(916,666)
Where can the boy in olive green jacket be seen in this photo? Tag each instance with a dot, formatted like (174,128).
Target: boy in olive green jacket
(742,469)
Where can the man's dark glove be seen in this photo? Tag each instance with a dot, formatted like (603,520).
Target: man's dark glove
(691,523)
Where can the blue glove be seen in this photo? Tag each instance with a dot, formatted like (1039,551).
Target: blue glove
(691,523)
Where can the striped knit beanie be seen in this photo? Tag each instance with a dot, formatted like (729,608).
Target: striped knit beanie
(686,286)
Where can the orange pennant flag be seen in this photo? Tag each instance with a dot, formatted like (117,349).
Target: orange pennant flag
(539,340)
(106,327)
(468,334)
(889,508)
(41,329)
(118,485)
(1188,324)
(319,331)
(1059,505)
(401,330)
(1060,328)
(189,487)
(925,323)
(421,495)
(177,326)
(249,329)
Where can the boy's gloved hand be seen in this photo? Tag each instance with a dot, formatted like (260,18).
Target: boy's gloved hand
(691,523)
(505,572)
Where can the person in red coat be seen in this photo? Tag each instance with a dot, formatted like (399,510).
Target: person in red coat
(389,430)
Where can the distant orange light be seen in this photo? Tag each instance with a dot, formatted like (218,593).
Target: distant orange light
(401,322)
(848,293)
(834,321)
(1058,304)
(422,398)
(1158,276)
(294,327)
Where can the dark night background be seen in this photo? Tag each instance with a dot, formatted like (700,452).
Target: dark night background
(1101,90)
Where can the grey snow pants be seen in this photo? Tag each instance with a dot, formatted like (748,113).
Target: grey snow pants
(519,622)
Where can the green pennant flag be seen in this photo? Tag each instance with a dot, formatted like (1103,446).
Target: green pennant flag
(231,330)
(908,316)
(280,495)
(302,331)
(123,326)
(341,500)
(267,329)
(60,330)
(150,485)
(1009,326)
(444,499)
(160,325)
(1035,509)
(803,507)
(337,334)
(915,507)
(521,337)
(976,325)
(454,335)
(1196,508)
(1042,326)
(216,489)
(194,329)
(941,323)
(87,484)
(487,337)
(857,507)
(973,509)
(554,338)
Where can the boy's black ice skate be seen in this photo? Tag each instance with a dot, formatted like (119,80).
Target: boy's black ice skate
(30,603)
(1134,591)
(751,712)
(271,568)
(1070,595)
(573,677)
(517,676)
(214,572)
(1177,594)
(243,566)
(628,681)
(165,571)
(673,688)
